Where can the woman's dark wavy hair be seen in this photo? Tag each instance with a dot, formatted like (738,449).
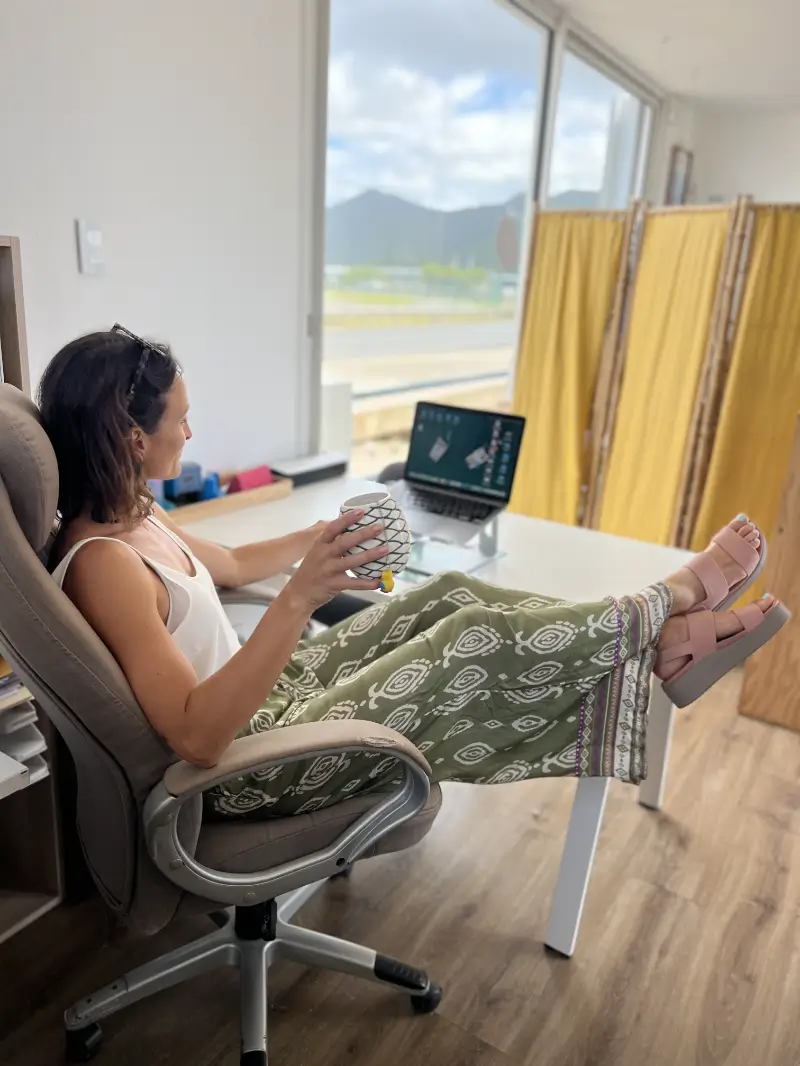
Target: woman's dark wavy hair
(92,394)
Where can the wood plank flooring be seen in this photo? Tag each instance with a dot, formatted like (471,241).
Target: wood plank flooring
(689,953)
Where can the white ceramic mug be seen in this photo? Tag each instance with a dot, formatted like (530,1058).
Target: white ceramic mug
(380,507)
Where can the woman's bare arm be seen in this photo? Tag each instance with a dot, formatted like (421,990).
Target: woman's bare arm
(234,567)
(198,721)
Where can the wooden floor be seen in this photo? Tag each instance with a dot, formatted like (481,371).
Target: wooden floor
(689,953)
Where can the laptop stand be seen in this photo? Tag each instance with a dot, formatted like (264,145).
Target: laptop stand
(430,557)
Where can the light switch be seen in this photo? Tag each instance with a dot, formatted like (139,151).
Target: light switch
(91,259)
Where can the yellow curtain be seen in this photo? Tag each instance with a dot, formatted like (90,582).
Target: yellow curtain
(576,262)
(761,402)
(674,291)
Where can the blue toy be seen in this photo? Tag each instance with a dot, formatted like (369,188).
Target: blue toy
(190,486)
(211,487)
(187,487)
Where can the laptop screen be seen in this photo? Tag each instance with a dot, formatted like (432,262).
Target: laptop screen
(475,452)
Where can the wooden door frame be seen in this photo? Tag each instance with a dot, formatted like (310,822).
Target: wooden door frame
(13,339)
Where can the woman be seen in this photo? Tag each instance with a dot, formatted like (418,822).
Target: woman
(492,685)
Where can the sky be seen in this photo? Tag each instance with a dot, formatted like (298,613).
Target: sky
(435,101)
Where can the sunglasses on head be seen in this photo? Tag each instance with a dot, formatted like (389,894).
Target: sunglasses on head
(146,347)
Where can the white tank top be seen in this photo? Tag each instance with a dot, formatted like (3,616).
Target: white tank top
(196,619)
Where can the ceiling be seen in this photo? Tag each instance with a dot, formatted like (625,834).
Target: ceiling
(742,51)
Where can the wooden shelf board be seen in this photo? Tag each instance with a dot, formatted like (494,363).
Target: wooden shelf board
(234,501)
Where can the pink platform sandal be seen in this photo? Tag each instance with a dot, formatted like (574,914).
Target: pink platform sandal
(720,595)
(709,658)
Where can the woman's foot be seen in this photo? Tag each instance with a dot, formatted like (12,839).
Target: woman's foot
(687,588)
(676,631)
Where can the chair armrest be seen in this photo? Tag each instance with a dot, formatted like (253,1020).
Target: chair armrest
(288,744)
(251,596)
(343,605)
(182,782)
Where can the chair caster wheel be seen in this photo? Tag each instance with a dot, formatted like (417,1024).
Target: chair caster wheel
(428,1002)
(81,1045)
(253,1058)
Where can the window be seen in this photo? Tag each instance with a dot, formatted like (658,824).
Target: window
(599,142)
(432,119)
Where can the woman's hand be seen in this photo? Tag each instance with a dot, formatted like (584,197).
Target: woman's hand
(323,572)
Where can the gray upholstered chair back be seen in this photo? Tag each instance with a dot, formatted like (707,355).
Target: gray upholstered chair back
(76,681)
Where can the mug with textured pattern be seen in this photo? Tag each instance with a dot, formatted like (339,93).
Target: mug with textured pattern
(380,508)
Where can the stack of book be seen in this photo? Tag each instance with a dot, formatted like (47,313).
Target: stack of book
(20,737)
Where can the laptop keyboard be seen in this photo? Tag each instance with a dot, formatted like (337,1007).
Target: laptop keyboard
(450,506)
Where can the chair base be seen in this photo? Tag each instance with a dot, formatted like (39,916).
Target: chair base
(251,938)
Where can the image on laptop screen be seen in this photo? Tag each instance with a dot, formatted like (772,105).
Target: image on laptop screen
(475,452)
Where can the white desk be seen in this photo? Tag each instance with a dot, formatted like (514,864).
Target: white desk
(535,556)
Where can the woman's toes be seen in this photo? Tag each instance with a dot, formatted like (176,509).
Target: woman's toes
(747,530)
(688,590)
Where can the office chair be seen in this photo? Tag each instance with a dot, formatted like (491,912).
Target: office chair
(139,808)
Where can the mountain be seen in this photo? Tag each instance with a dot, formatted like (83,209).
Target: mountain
(379,229)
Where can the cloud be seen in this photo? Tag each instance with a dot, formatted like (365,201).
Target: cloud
(580,145)
(435,101)
(441,38)
(408,133)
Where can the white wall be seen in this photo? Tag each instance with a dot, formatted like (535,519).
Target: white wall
(179,127)
(744,151)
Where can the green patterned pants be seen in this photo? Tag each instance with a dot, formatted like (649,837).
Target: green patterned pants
(492,685)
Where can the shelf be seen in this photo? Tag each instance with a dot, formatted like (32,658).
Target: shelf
(31,879)
(14,699)
(23,744)
(11,721)
(37,769)
(13,775)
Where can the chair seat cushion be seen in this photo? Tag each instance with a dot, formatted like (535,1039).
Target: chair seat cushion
(248,845)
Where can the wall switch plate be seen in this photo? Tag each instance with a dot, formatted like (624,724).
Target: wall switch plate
(91,259)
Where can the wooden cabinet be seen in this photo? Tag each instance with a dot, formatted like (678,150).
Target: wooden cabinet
(13,344)
(30,839)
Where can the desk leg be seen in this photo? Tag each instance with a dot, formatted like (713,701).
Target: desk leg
(659,735)
(576,864)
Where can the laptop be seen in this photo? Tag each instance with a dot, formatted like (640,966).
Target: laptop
(459,472)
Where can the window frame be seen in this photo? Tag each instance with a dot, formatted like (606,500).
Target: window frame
(562,35)
(571,44)
(638,86)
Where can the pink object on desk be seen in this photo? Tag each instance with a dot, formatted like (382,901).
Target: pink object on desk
(251,479)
